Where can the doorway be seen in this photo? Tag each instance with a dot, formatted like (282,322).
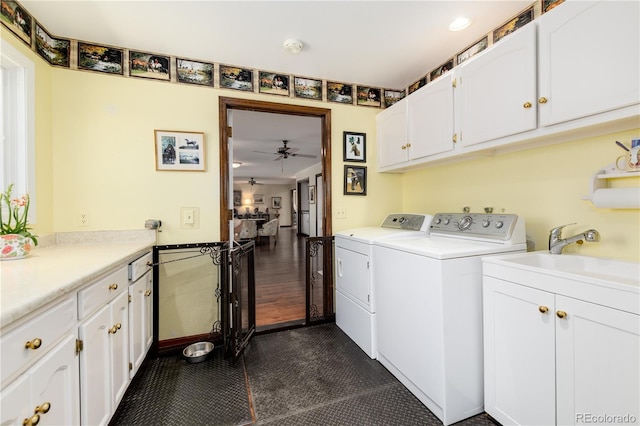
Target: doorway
(227,105)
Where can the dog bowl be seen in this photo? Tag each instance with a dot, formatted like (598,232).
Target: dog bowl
(197,352)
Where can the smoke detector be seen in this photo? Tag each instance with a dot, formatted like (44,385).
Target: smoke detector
(292,46)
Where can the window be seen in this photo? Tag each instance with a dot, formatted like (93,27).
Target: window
(17,146)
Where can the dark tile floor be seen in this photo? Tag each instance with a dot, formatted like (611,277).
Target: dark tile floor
(309,376)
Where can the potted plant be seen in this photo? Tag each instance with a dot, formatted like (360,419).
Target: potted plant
(16,239)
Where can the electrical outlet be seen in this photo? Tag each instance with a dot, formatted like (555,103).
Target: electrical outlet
(341,213)
(83,219)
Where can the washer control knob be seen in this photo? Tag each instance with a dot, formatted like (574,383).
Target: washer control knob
(437,221)
(402,219)
(499,224)
(486,222)
(465,223)
(447,221)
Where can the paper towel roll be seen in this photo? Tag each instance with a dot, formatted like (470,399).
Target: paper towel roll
(616,198)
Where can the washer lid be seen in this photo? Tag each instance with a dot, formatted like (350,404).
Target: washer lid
(448,248)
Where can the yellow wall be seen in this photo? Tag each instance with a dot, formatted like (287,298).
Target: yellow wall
(95,154)
(544,185)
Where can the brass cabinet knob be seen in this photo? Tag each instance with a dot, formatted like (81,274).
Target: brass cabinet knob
(113,286)
(115,328)
(543,309)
(147,293)
(404,147)
(31,421)
(408,145)
(561,314)
(44,408)
(542,100)
(455,138)
(527,105)
(33,344)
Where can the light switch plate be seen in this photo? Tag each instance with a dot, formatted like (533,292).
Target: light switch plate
(189,217)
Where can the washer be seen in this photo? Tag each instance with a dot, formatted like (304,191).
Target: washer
(355,299)
(429,307)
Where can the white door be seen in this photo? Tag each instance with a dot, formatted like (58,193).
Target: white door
(588,59)
(496,91)
(598,368)
(519,353)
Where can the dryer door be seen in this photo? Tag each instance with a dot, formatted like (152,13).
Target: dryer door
(353,276)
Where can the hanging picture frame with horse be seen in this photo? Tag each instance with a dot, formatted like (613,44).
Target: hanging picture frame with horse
(179,151)
(355,147)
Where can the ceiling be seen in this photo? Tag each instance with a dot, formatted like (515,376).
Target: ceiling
(384,44)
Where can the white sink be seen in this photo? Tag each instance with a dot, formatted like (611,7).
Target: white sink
(609,270)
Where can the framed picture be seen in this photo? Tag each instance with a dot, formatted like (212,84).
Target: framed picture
(149,65)
(99,58)
(17,19)
(180,151)
(354,146)
(392,96)
(511,26)
(547,5)
(355,180)
(276,202)
(312,194)
(447,66)
(340,92)
(369,96)
(418,84)
(258,198)
(236,78)
(53,50)
(193,72)
(307,88)
(470,51)
(273,84)
(237,198)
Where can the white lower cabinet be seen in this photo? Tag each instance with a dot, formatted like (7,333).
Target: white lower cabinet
(140,321)
(47,393)
(104,361)
(551,359)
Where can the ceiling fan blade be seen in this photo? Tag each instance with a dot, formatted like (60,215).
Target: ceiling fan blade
(264,152)
(278,158)
(304,155)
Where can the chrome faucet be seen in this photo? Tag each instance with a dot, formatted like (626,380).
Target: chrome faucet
(556,243)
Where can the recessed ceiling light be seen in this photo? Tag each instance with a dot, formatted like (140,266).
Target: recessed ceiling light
(459,23)
(236,164)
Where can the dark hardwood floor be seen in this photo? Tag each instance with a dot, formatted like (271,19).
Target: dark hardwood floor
(280,280)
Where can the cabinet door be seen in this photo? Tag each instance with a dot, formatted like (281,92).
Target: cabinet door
(95,368)
(519,353)
(139,321)
(584,71)
(119,347)
(598,372)
(496,91)
(392,134)
(431,118)
(148,317)
(15,402)
(54,380)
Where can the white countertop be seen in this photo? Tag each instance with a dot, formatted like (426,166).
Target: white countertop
(64,264)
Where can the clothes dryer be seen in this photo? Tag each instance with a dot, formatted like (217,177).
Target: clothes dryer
(355,297)
(429,307)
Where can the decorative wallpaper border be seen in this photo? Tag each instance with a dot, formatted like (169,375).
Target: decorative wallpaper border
(86,56)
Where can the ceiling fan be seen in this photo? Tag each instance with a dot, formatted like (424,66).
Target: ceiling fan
(285,151)
(252,182)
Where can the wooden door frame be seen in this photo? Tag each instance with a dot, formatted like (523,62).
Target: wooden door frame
(225,104)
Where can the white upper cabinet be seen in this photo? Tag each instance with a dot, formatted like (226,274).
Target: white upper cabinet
(417,126)
(588,59)
(431,118)
(496,91)
(392,135)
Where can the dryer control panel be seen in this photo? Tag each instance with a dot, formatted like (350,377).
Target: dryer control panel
(493,227)
(407,221)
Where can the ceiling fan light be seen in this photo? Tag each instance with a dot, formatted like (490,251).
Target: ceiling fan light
(236,164)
